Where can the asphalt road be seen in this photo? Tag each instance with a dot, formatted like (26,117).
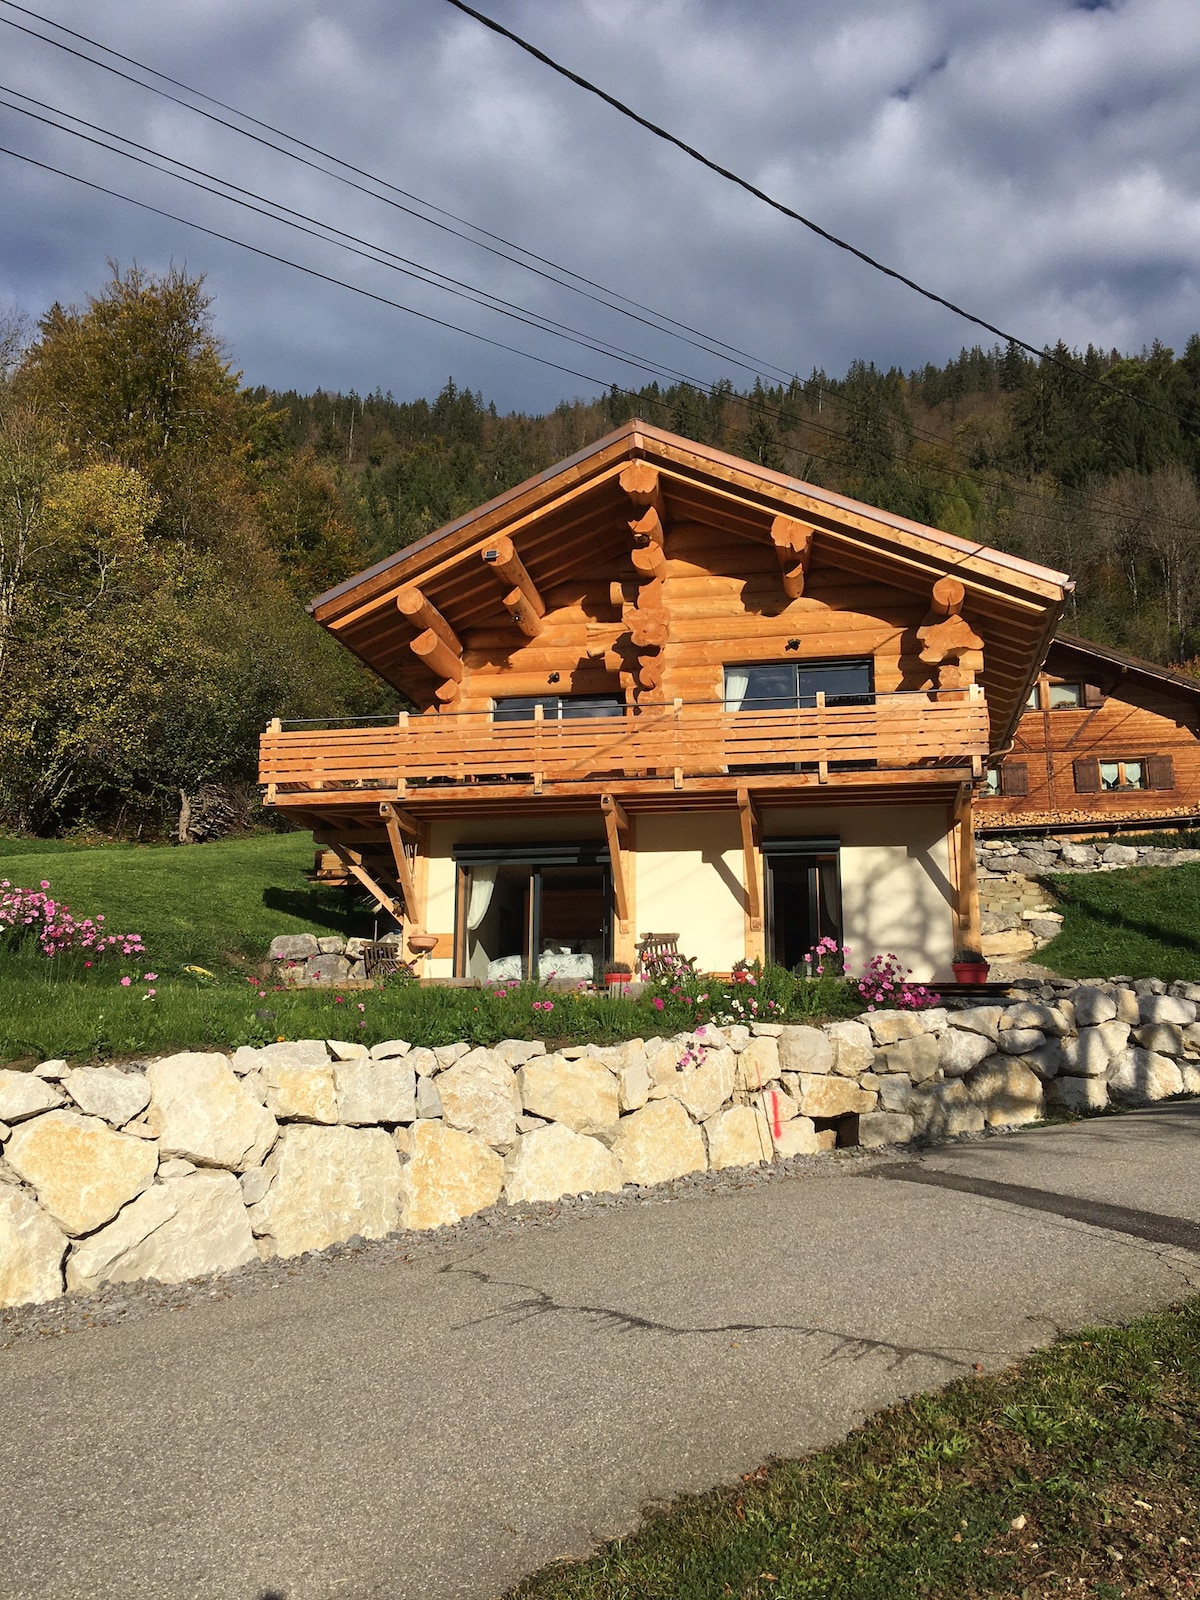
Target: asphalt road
(439,1427)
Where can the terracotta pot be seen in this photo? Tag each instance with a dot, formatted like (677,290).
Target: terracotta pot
(422,943)
(618,980)
(970,971)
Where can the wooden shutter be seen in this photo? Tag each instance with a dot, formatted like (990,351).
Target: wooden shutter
(1014,778)
(1160,772)
(1087,776)
(1093,695)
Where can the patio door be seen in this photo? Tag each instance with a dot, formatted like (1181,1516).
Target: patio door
(533,912)
(803,895)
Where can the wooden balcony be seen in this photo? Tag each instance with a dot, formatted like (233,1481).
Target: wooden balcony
(436,756)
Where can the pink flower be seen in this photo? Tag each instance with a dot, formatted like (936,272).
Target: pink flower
(361,1007)
(658,1002)
(87,963)
(150,977)
(125,982)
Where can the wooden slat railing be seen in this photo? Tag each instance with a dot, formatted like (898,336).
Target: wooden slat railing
(893,732)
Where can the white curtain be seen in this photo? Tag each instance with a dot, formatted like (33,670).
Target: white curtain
(737,681)
(483,883)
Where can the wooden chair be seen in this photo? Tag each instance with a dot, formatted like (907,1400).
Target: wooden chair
(656,951)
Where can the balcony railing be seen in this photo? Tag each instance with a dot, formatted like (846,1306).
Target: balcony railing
(890,732)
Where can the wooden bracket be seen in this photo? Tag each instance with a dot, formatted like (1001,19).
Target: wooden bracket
(521,599)
(793,543)
(352,861)
(425,616)
(616,822)
(640,481)
(750,851)
(397,821)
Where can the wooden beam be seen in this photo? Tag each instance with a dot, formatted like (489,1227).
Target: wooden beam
(648,529)
(649,561)
(437,655)
(357,870)
(404,870)
(640,481)
(793,547)
(750,852)
(948,596)
(516,603)
(423,614)
(501,557)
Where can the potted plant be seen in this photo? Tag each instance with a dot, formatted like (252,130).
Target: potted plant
(744,972)
(969,966)
(617,974)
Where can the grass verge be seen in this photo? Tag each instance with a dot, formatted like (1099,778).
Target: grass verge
(1076,1473)
(1142,921)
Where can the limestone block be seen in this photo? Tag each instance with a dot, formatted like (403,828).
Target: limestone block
(200,1110)
(1166,1008)
(293,947)
(766,1030)
(1017,943)
(1164,1037)
(894,1092)
(1120,855)
(390,1049)
(1046,1061)
(23,1094)
(118,1097)
(370,1092)
(429,1101)
(802,1049)
(516,1052)
(31,1251)
(853,1047)
(1019,1041)
(960,1049)
(286,1053)
(1137,1077)
(54,1070)
(348,1050)
(877,1128)
(554,1160)
(658,1143)
(298,1094)
(319,970)
(254,1084)
(583,1094)
(328,1184)
(1190,1073)
(1006,1091)
(633,1081)
(738,1137)
(762,1060)
(448,1054)
(331,944)
(254,1185)
(449,1175)
(984,1020)
(703,1090)
(1068,1093)
(918,1057)
(1088,1055)
(798,1138)
(889,1027)
(777,1106)
(480,1095)
(826,1139)
(424,1063)
(832,1096)
(1028,1014)
(1128,1009)
(944,1110)
(82,1171)
(189,1226)
(175,1168)
(738,1035)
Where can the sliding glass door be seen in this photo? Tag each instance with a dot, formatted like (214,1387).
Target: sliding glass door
(804,900)
(538,912)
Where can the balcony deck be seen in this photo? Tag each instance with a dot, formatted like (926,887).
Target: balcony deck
(675,745)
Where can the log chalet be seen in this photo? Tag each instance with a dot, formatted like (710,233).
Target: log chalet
(658,689)
(1104,739)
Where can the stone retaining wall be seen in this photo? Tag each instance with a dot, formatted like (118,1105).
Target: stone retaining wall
(199,1163)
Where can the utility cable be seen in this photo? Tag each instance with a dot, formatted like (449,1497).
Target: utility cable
(1043,354)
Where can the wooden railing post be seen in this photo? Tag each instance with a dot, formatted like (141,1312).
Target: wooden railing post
(539,720)
(822,746)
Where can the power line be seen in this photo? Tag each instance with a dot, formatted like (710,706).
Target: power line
(1042,354)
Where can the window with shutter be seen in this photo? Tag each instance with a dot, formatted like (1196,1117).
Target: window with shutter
(1014,778)
(1160,772)
(1093,695)
(1087,776)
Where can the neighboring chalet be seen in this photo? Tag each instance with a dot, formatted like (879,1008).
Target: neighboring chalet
(1104,738)
(661,690)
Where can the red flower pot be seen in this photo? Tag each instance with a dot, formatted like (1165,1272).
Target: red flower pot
(970,971)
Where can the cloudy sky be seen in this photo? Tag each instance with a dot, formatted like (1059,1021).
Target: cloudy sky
(1033,160)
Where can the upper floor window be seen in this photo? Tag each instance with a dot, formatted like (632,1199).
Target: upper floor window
(1092,776)
(1065,696)
(777,685)
(558,707)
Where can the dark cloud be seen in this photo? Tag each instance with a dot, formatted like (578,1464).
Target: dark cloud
(1035,162)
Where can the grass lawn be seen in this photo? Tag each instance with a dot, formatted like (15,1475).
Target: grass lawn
(1142,921)
(1076,1473)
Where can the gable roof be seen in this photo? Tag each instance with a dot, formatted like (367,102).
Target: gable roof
(1073,654)
(574,518)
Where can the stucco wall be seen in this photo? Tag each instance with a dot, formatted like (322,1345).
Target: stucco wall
(688,877)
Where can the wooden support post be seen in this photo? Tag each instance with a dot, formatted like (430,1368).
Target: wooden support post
(793,547)
(423,615)
(353,864)
(395,820)
(753,860)
(509,571)
(968,933)
(616,822)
